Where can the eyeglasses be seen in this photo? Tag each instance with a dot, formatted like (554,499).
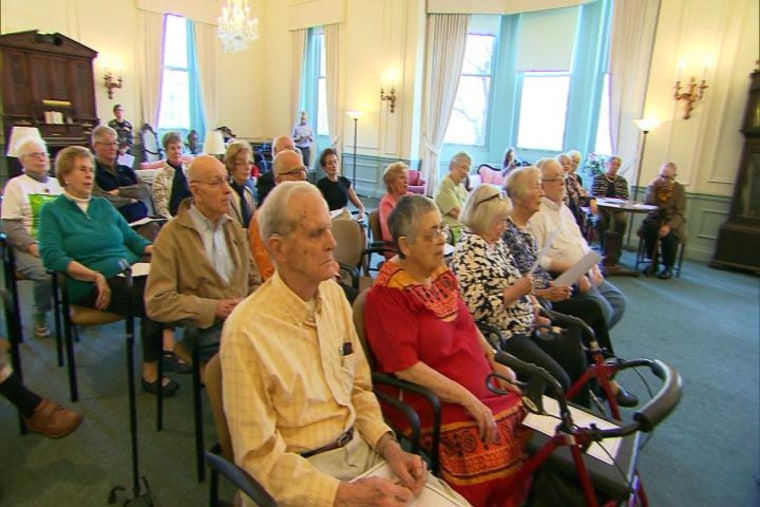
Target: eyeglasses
(501,194)
(436,232)
(562,178)
(293,172)
(108,145)
(214,183)
(37,154)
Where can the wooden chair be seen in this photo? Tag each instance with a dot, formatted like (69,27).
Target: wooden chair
(643,258)
(377,244)
(220,457)
(151,149)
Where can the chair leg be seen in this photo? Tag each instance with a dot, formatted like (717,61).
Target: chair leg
(682,247)
(57,321)
(198,415)
(71,361)
(160,392)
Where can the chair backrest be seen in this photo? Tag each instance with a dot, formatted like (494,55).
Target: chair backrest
(358,308)
(152,151)
(415,177)
(374,225)
(350,241)
(213,381)
(491,175)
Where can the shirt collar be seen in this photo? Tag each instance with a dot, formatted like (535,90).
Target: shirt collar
(201,218)
(551,204)
(294,308)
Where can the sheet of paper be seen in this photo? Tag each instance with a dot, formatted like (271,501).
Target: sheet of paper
(139,269)
(544,250)
(547,424)
(429,497)
(126,159)
(581,267)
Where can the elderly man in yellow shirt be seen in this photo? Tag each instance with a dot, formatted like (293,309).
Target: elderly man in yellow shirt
(297,387)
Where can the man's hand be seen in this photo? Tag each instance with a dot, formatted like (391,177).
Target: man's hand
(596,276)
(34,249)
(409,468)
(225,306)
(553,293)
(583,284)
(664,231)
(372,492)
(113,192)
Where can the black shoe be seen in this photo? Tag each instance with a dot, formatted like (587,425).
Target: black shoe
(649,270)
(665,274)
(175,364)
(625,398)
(168,389)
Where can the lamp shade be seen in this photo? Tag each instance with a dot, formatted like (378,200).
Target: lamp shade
(354,114)
(213,144)
(18,136)
(646,124)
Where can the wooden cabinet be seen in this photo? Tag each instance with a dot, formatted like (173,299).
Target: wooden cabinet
(48,73)
(739,238)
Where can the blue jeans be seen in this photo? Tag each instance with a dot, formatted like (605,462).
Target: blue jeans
(31,267)
(611,300)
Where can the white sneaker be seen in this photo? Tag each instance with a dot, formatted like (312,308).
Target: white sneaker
(41,329)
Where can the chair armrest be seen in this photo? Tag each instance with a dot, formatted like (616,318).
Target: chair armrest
(240,479)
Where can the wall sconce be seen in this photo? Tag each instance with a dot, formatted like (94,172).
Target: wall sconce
(693,92)
(111,83)
(391,97)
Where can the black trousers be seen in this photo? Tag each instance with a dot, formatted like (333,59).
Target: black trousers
(589,311)
(649,231)
(150,331)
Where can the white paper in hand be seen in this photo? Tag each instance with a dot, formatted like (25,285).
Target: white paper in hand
(579,269)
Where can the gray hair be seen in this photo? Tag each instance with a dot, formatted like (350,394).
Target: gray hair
(458,157)
(518,180)
(170,137)
(614,157)
(392,172)
(481,207)
(101,131)
(23,146)
(275,215)
(575,156)
(404,218)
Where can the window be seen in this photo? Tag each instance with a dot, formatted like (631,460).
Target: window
(322,129)
(469,117)
(178,108)
(603,142)
(543,109)
(314,89)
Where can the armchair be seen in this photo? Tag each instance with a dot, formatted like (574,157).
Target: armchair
(416,183)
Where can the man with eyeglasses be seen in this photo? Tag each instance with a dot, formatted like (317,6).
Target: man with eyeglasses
(118,183)
(201,267)
(287,166)
(23,198)
(570,246)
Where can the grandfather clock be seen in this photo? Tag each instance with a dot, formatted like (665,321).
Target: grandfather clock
(739,238)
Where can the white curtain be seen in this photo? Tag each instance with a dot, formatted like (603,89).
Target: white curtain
(334,84)
(151,50)
(634,24)
(299,49)
(446,40)
(205,48)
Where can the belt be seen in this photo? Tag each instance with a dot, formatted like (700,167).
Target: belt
(341,441)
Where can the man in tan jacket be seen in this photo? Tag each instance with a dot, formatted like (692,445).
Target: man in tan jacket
(201,267)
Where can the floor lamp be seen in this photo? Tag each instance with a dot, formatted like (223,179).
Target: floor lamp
(355,116)
(645,125)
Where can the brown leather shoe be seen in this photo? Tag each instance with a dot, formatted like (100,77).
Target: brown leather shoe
(52,420)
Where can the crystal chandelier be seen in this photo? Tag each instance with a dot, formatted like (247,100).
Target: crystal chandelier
(236,28)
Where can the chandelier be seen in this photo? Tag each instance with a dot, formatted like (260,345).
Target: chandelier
(236,28)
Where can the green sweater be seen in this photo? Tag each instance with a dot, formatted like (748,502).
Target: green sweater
(98,239)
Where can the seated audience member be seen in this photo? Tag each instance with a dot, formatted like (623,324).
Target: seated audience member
(396,179)
(576,196)
(41,415)
(419,329)
(124,130)
(497,294)
(265,183)
(305,432)
(611,224)
(193,144)
(201,267)
(524,189)
(335,188)
(570,246)
(118,183)
(85,237)
(237,160)
(20,210)
(170,183)
(451,193)
(286,166)
(575,162)
(665,225)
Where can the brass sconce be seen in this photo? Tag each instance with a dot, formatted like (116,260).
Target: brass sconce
(391,98)
(693,93)
(111,83)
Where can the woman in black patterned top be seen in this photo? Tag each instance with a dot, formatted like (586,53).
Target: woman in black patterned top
(497,294)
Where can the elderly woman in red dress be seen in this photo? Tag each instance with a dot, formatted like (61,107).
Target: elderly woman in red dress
(419,328)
